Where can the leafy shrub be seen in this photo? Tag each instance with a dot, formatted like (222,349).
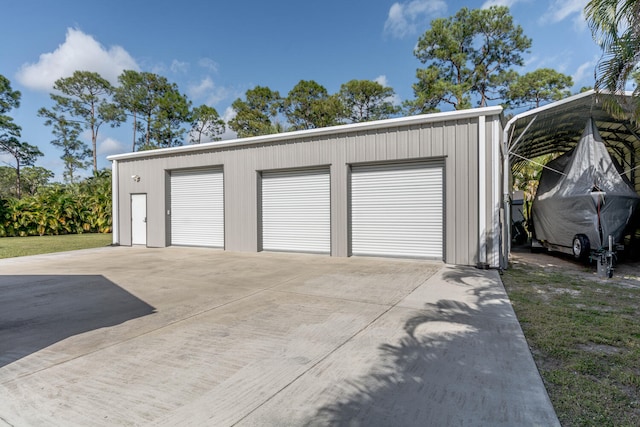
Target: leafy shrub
(84,207)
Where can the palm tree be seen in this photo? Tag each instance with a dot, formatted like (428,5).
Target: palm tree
(615,25)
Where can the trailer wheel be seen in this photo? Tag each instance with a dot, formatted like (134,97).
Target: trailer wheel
(581,247)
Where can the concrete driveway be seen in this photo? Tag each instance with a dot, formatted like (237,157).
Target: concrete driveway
(195,336)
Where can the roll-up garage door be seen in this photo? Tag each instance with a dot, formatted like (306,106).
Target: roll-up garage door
(397,210)
(197,208)
(296,211)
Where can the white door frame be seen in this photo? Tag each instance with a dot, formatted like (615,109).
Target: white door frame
(139,219)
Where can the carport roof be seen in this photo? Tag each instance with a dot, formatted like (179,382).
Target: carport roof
(557,127)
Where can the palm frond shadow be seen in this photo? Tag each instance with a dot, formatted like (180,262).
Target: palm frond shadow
(417,377)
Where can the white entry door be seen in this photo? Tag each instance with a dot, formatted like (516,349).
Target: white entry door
(138,219)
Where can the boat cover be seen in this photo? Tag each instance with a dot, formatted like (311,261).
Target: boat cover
(589,196)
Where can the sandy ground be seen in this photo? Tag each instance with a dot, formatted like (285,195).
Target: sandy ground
(626,273)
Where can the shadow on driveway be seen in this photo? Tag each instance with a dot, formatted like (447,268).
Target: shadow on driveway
(37,311)
(445,370)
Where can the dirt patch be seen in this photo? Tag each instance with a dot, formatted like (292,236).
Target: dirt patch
(571,292)
(626,274)
(599,348)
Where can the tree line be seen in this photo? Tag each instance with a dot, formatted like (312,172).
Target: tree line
(30,204)
(469,59)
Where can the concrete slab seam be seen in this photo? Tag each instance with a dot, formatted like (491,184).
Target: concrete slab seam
(5,422)
(201,312)
(328,297)
(322,359)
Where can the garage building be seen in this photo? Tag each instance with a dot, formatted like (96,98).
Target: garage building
(427,186)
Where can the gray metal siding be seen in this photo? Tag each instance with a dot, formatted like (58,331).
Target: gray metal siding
(456,141)
(152,183)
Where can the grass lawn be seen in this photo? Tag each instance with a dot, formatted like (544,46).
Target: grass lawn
(585,338)
(22,246)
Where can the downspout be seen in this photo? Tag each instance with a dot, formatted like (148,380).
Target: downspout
(115,230)
(482,193)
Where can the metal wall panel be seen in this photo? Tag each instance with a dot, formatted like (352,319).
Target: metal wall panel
(296,211)
(197,208)
(149,181)
(397,210)
(462,191)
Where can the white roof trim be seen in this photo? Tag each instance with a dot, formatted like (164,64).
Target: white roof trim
(285,136)
(538,110)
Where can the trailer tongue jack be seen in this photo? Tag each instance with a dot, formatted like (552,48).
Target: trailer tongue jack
(605,259)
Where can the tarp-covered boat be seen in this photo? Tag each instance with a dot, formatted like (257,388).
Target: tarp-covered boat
(583,198)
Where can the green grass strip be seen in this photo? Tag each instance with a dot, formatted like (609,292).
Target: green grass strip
(585,339)
(22,246)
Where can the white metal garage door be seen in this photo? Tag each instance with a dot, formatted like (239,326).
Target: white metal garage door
(197,208)
(296,211)
(397,210)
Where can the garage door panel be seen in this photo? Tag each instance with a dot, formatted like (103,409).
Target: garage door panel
(296,214)
(197,208)
(397,210)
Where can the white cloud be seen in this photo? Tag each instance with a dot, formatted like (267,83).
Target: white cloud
(509,3)
(207,90)
(558,62)
(79,51)
(179,66)
(563,63)
(218,94)
(200,90)
(159,68)
(382,80)
(559,10)
(584,74)
(404,18)
(209,64)
(229,113)
(110,146)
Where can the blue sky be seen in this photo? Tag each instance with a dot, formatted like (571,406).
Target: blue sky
(215,51)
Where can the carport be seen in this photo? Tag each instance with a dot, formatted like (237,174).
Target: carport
(557,128)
